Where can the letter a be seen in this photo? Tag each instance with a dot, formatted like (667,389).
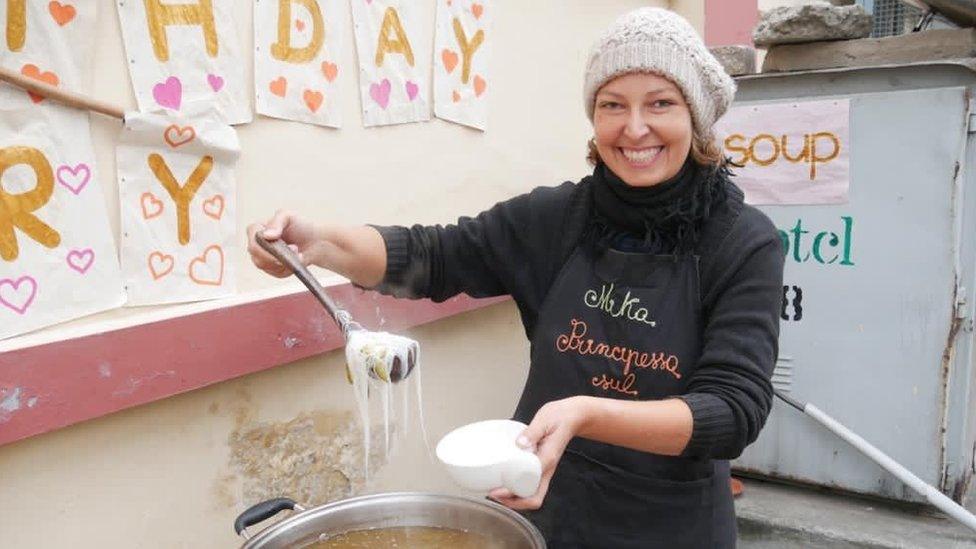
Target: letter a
(15,208)
(159,16)
(282,50)
(395,44)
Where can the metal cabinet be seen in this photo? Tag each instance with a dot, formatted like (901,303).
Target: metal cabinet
(879,333)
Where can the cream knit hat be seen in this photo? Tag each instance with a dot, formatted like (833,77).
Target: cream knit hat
(658,41)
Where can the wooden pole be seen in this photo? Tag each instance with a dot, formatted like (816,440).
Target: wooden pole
(71,99)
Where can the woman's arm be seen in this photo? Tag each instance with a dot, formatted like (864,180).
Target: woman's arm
(356,252)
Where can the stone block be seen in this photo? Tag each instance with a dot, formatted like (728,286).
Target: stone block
(811,23)
(916,47)
(737,60)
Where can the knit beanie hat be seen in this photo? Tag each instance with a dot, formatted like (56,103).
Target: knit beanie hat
(658,41)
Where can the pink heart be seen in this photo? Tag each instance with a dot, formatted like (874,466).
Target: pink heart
(412,89)
(215,82)
(74,179)
(20,295)
(380,93)
(81,260)
(169,94)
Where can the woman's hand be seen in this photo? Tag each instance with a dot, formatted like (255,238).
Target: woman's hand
(300,234)
(553,426)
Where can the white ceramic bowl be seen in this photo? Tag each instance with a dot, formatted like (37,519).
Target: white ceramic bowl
(483,456)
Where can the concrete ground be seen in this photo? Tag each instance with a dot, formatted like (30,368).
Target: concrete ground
(772,516)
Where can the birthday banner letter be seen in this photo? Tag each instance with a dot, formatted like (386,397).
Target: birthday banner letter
(177,194)
(392,70)
(462,50)
(296,60)
(186,52)
(57,255)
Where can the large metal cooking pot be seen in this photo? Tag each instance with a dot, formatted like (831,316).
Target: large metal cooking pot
(383,511)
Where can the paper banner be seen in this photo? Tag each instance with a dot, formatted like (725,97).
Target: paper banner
(183,53)
(393,61)
(57,256)
(461,53)
(793,153)
(297,49)
(177,197)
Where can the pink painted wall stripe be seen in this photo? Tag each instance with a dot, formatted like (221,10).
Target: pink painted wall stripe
(730,22)
(50,386)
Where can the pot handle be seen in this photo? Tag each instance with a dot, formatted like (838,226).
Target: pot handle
(262,511)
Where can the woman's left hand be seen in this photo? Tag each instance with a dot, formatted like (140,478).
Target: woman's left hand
(553,426)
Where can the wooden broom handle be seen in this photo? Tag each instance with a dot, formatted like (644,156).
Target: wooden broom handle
(71,99)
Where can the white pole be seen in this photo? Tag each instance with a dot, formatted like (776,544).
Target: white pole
(934,496)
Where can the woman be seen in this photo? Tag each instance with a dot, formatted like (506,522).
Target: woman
(649,291)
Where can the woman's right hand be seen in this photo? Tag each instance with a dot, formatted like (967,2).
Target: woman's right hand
(301,235)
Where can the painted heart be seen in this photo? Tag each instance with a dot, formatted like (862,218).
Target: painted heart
(160,264)
(17,295)
(450,60)
(278,86)
(178,135)
(62,13)
(208,269)
(479,85)
(151,206)
(300,25)
(74,179)
(456,96)
(214,207)
(380,93)
(33,71)
(330,70)
(412,89)
(81,260)
(169,94)
(313,99)
(477,10)
(216,82)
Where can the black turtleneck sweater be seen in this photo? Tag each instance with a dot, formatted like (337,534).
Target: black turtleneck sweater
(518,247)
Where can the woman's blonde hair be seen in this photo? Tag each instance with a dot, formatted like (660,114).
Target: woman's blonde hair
(705,151)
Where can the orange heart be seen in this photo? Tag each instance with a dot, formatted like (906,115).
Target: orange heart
(151,206)
(313,100)
(330,70)
(300,25)
(477,10)
(176,135)
(456,96)
(450,59)
(214,207)
(278,86)
(32,71)
(479,85)
(213,258)
(160,264)
(62,13)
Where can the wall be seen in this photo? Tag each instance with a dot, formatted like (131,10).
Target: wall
(174,473)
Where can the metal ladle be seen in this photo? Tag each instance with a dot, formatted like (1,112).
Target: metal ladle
(280,250)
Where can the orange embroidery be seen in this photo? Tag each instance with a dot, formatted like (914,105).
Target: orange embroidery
(574,342)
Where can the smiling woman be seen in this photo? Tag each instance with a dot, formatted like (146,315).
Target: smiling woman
(665,374)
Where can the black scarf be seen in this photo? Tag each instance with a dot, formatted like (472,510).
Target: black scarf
(667,217)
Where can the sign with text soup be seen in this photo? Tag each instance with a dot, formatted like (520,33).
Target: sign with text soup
(790,153)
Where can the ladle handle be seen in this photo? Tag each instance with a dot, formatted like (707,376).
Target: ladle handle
(280,250)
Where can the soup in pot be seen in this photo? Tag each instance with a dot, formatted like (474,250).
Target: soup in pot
(409,537)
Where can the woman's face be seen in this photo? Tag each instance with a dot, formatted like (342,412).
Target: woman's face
(643,128)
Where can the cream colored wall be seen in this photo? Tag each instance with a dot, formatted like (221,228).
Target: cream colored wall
(163,475)
(693,11)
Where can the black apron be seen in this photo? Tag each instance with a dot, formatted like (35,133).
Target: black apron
(628,326)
